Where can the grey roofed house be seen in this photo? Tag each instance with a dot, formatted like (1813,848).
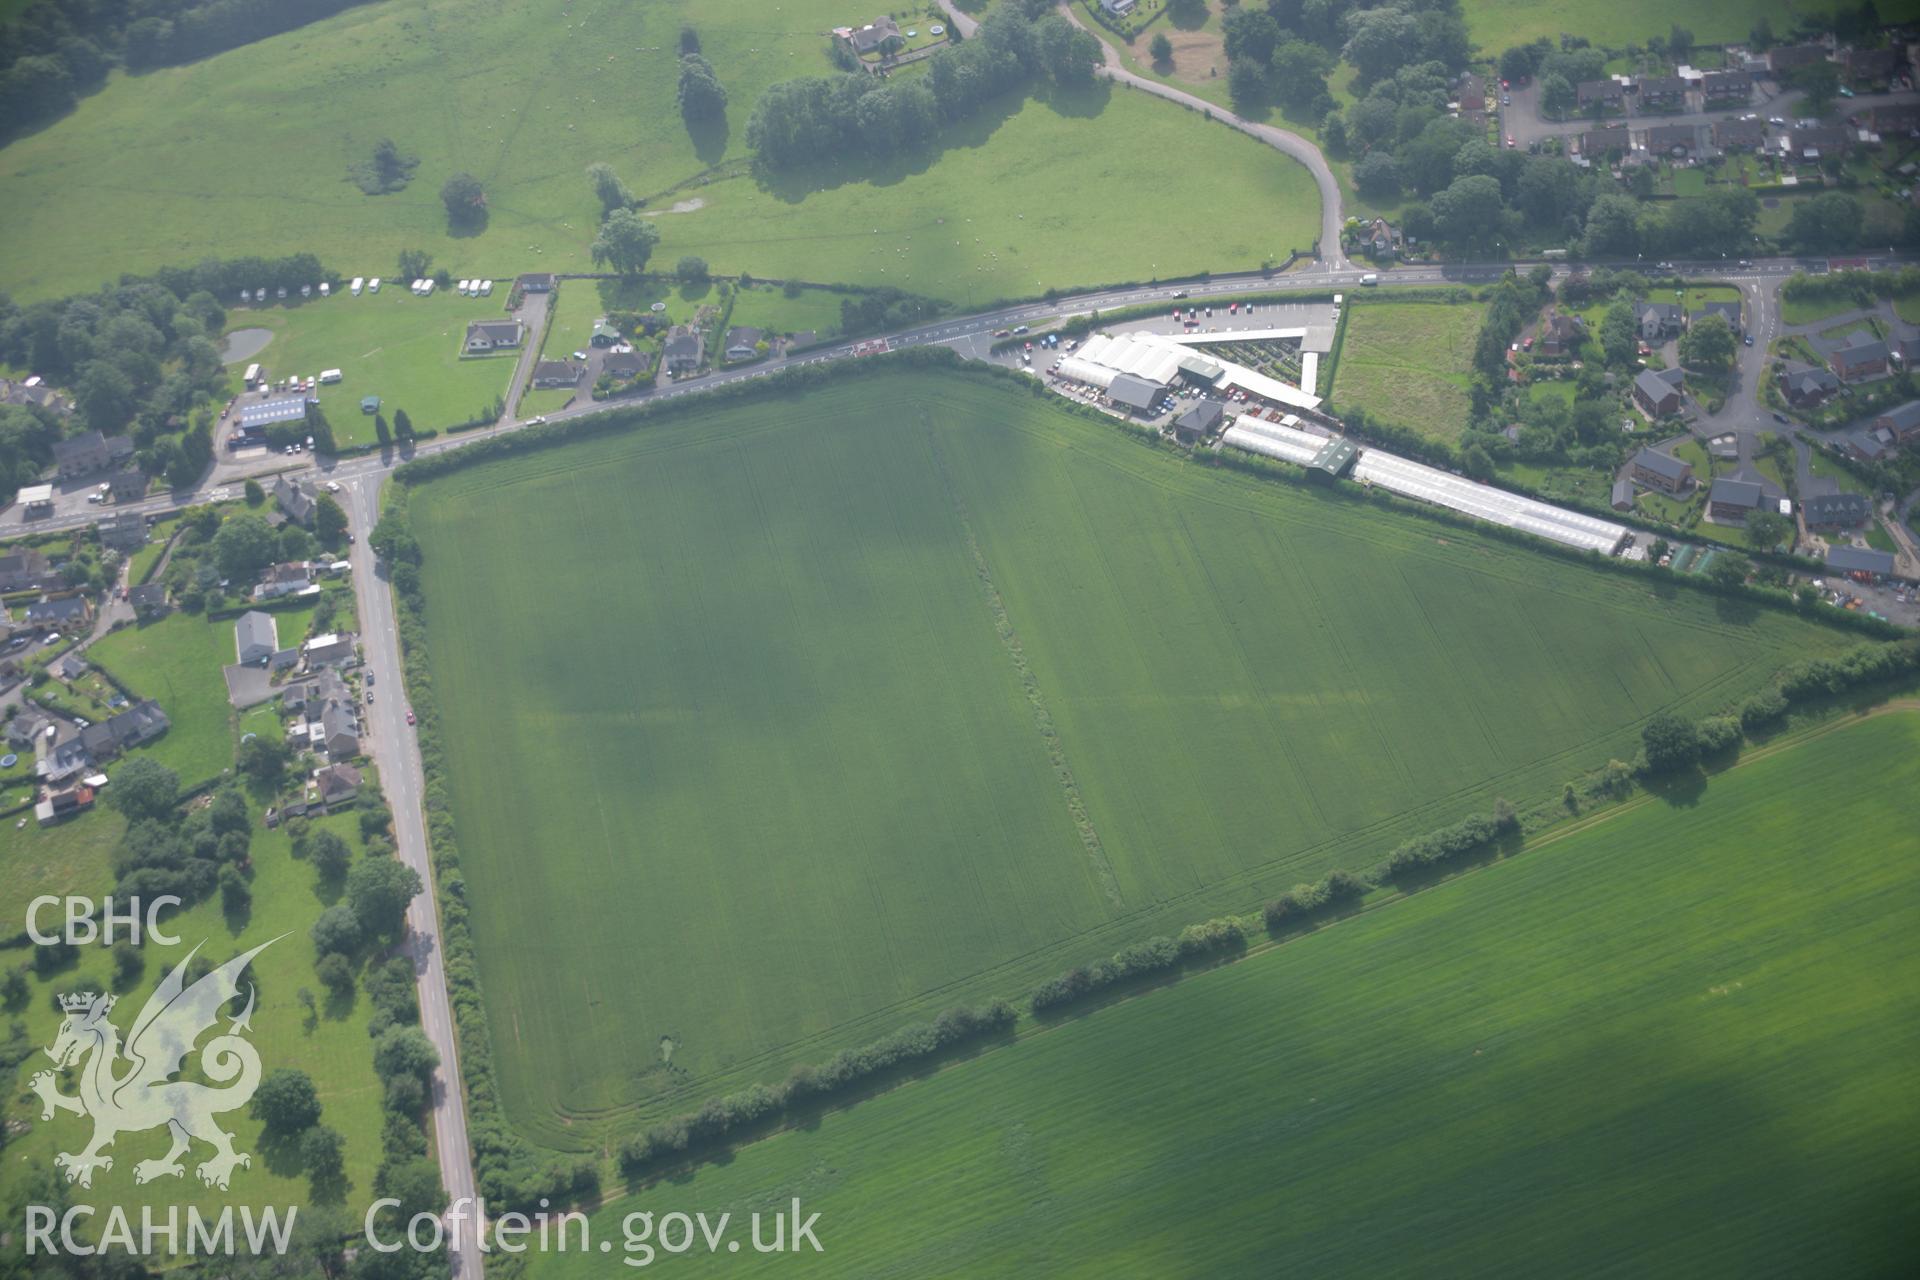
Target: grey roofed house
(1134,392)
(1820,140)
(1658,391)
(625,364)
(70,667)
(140,723)
(81,454)
(556,373)
(682,351)
(1728,311)
(1673,139)
(804,338)
(1663,91)
(1721,85)
(1801,383)
(26,567)
(743,341)
(1596,142)
(1739,133)
(1859,356)
(1675,471)
(537,282)
(1860,560)
(1660,320)
(1741,495)
(1622,494)
(1896,118)
(34,391)
(315,692)
(123,533)
(340,730)
(255,637)
(494,335)
(337,782)
(148,598)
(875,36)
(1836,510)
(127,486)
(55,613)
(1789,57)
(328,649)
(1200,420)
(1903,420)
(294,500)
(1869,66)
(1607,92)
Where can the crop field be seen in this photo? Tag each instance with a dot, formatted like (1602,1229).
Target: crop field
(335,1052)
(1410,363)
(920,689)
(249,151)
(1679,1040)
(404,349)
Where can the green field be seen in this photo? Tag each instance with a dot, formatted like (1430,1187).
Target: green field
(75,856)
(921,689)
(336,1053)
(1498,24)
(1678,1042)
(1411,363)
(402,348)
(177,661)
(248,152)
(767,307)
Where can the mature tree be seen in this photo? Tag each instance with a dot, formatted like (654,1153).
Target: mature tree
(1620,333)
(1729,570)
(1377,176)
(105,397)
(1381,41)
(414,264)
(613,193)
(328,853)
(1818,82)
(1246,83)
(1556,95)
(402,426)
(1161,49)
(690,270)
(1333,133)
(1519,62)
(1671,742)
(235,894)
(1767,530)
(1680,43)
(1546,190)
(286,1101)
(389,169)
(336,931)
(1708,345)
(1250,33)
(243,547)
(625,242)
(1069,55)
(1613,227)
(689,41)
(701,95)
(329,521)
(1297,73)
(380,889)
(322,1153)
(144,789)
(381,431)
(335,972)
(1469,212)
(253,493)
(404,1051)
(1828,221)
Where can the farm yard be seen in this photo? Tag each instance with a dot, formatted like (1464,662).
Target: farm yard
(1677,1038)
(402,348)
(526,96)
(921,689)
(1410,363)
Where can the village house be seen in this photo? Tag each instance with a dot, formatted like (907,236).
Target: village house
(310,696)
(743,342)
(1561,335)
(1722,89)
(1663,93)
(81,455)
(293,500)
(1837,511)
(27,568)
(1198,422)
(1657,391)
(485,336)
(1739,135)
(553,374)
(682,351)
(1869,69)
(1660,321)
(1859,358)
(256,637)
(1728,311)
(1600,95)
(60,613)
(1731,499)
(123,533)
(1821,140)
(328,650)
(137,725)
(33,392)
(604,335)
(1377,239)
(336,783)
(1473,95)
(1677,141)
(1903,421)
(879,37)
(1896,119)
(1656,470)
(56,806)
(149,601)
(340,731)
(127,485)
(624,366)
(1611,140)
(1805,385)
(286,579)
(1788,58)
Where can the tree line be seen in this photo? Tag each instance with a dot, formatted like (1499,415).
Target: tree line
(856,115)
(1155,955)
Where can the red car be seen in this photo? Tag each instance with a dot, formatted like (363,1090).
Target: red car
(409,715)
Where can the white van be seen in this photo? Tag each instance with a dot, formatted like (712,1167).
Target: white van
(1370,278)
(326,289)
(373,285)
(330,375)
(466,286)
(486,288)
(355,286)
(426,287)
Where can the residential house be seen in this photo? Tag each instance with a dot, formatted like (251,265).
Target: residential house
(34,392)
(1805,384)
(1600,95)
(123,533)
(1860,357)
(604,334)
(148,600)
(1723,89)
(1473,95)
(1611,140)
(1561,336)
(1622,494)
(1660,321)
(1198,422)
(537,282)
(682,351)
(66,757)
(337,783)
(1869,68)
(553,374)
(1678,141)
(1661,471)
(293,500)
(1728,311)
(138,724)
(624,366)
(1663,93)
(256,637)
(60,613)
(55,806)
(286,579)
(70,667)
(1837,511)
(1739,135)
(1791,57)
(328,650)
(340,731)
(1377,239)
(310,696)
(1731,499)
(1903,422)
(1657,391)
(801,339)
(1896,119)
(80,455)
(127,486)
(484,336)
(743,342)
(879,37)
(1821,140)
(28,567)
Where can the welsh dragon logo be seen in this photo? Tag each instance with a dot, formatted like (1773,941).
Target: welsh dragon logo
(144,1095)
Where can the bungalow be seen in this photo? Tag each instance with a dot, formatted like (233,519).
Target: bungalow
(1806,384)
(604,334)
(1731,499)
(1661,471)
(28,567)
(1858,358)
(625,366)
(1198,422)
(1869,68)
(256,636)
(295,502)
(63,612)
(1903,422)
(337,783)
(123,533)
(127,486)
(1657,391)
(551,374)
(1663,93)
(1728,311)
(493,335)
(149,600)
(743,342)
(140,723)
(286,579)
(1818,141)
(328,650)
(682,351)
(1601,95)
(1837,511)
(1660,321)
(1791,57)
(1726,88)
(536,282)
(1676,140)
(1561,335)
(1596,143)
(80,455)
(1739,135)
(881,36)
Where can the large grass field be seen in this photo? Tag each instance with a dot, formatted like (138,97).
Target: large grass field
(797,721)
(75,856)
(404,349)
(335,1052)
(177,662)
(1410,363)
(248,152)
(1675,1043)
(1499,24)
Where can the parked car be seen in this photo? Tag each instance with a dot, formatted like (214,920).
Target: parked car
(409,715)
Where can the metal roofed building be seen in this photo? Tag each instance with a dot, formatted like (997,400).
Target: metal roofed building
(1135,393)
(268,412)
(1334,458)
(1484,502)
(1859,560)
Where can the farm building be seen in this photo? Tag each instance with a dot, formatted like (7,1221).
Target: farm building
(1731,499)
(1860,560)
(1334,459)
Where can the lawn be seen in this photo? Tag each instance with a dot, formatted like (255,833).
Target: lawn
(919,689)
(75,856)
(402,348)
(1678,1042)
(335,1052)
(1410,363)
(767,307)
(147,558)
(525,96)
(1823,467)
(177,662)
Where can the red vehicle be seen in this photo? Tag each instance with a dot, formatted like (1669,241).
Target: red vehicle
(409,715)
(1233,308)
(1510,140)
(1527,345)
